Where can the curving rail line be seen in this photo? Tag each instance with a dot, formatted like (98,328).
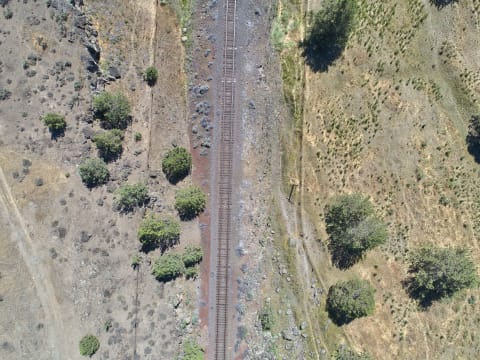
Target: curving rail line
(224,190)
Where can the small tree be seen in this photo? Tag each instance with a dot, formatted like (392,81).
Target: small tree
(440,272)
(167,267)
(55,123)
(89,345)
(151,75)
(266,317)
(161,232)
(350,300)
(109,144)
(176,164)
(192,255)
(353,229)
(113,109)
(190,202)
(329,32)
(127,196)
(93,172)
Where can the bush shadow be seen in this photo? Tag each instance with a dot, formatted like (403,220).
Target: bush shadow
(440,4)
(343,259)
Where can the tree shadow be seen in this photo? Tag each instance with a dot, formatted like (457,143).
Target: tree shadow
(424,299)
(440,4)
(319,57)
(473,138)
(55,134)
(343,259)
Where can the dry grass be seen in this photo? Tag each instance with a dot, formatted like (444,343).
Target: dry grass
(389,119)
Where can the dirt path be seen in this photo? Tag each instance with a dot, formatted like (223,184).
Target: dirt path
(38,271)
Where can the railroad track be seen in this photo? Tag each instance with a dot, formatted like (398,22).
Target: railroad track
(224,189)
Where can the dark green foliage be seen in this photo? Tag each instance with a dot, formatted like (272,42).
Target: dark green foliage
(159,232)
(345,353)
(151,75)
(192,255)
(266,317)
(113,109)
(93,172)
(473,138)
(176,164)
(190,202)
(191,272)
(329,32)
(109,144)
(55,123)
(192,351)
(350,300)
(127,196)
(353,229)
(167,267)
(440,272)
(89,345)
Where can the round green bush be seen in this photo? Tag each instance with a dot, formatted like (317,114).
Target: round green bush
(440,272)
(55,123)
(159,232)
(176,164)
(350,300)
(89,345)
(93,172)
(192,255)
(190,202)
(168,267)
(113,109)
(151,75)
(109,144)
(127,196)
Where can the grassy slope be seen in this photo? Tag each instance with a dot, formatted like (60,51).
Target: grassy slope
(389,119)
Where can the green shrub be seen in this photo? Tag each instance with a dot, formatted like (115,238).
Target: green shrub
(192,255)
(127,196)
(266,317)
(161,232)
(440,272)
(350,300)
(151,75)
(191,272)
(176,164)
(190,202)
(345,353)
(109,144)
(137,136)
(192,351)
(353,229)
(55,123)
(167,267)
(113,109)
(93,172)
(89,345)
(135,261)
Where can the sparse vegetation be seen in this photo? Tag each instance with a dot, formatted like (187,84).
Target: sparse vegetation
(135,261)
(167,267)
(113,109)
(151,75)
(128,197)
(353,229)
(345,353)
(159,232)
(192,255)
(109,144)
(137,136)
(190,202)
(89,345)
(440,272)
(94,172)
(350,300)
(55,123)
(176,164)
(266,317)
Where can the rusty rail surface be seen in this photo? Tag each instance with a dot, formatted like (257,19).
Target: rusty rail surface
(224,188)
